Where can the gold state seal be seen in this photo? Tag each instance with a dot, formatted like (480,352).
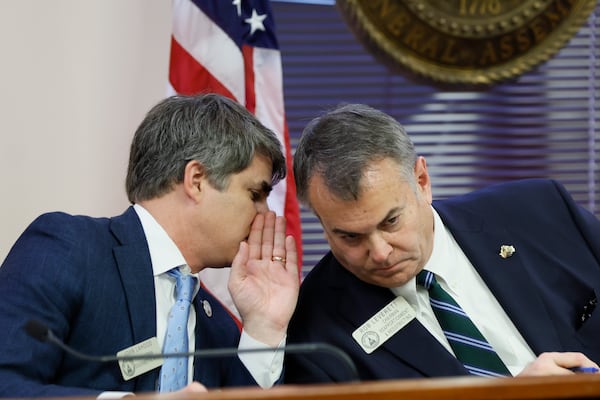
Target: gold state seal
(465,41)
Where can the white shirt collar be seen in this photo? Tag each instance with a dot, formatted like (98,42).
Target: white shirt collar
(164,254)
(443,247)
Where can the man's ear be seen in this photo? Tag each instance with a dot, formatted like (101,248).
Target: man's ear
(193,179)
(423,179)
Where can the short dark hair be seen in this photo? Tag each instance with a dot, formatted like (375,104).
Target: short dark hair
(217,132)
(340,144)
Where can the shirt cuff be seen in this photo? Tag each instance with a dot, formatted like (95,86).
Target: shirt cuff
(264,366)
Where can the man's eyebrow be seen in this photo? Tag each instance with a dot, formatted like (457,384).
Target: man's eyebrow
(390,213)
(266,187)
(343,232)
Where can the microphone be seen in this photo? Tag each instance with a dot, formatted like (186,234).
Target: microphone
(40,331)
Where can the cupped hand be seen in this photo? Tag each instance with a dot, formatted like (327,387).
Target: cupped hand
(264,279)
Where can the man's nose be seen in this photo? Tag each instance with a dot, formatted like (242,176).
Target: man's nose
(380,248)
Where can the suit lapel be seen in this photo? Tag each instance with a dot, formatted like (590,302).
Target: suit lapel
(507,278)
(135,268)
(412,344)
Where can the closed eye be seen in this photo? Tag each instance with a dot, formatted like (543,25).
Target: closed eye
(391,221)
(351,238)
(262,193)
(257,195)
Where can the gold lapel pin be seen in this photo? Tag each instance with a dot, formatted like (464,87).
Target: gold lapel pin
(507,250)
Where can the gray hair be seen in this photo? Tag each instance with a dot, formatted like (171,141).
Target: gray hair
(215,131)
(339,145)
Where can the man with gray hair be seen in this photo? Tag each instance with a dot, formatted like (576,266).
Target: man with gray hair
(498,282)
(200,170)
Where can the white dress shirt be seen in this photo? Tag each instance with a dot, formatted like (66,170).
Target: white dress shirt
(458,277)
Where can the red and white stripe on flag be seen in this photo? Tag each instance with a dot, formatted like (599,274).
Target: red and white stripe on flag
(229,47)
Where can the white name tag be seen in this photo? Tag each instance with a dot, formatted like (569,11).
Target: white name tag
(132,368)
(383,325)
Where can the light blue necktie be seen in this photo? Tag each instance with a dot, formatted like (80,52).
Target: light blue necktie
(467,342)
(174,372)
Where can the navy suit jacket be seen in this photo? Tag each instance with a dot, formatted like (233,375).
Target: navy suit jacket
(543,287)
(90,280)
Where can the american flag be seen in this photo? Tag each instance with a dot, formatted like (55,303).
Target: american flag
(229,47)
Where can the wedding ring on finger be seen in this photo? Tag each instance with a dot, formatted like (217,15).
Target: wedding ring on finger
(279,259)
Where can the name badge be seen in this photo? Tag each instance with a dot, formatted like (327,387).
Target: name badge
(135,367)
(383,325)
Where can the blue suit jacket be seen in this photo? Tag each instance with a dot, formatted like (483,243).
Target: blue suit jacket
(90,280)
(543,287)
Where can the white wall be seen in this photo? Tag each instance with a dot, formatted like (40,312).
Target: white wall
(76,78)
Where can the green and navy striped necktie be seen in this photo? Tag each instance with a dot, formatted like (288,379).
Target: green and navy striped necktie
(468,344)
